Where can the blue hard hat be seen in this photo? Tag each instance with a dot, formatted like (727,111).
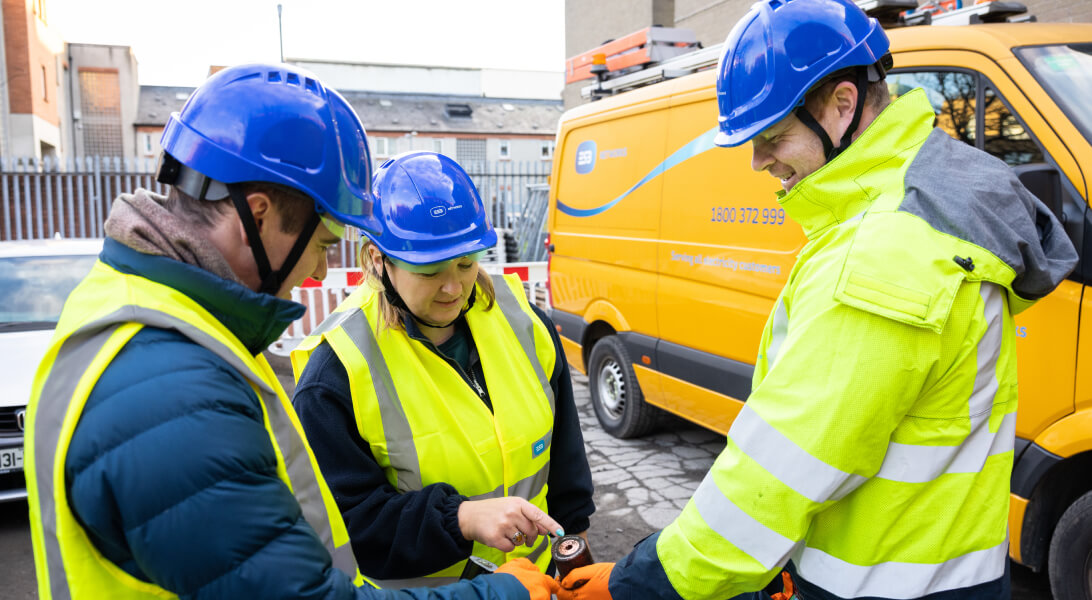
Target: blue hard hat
(277,123)
(780,50)
(429,210)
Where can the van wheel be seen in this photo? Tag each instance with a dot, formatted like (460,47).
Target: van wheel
(1071,552)
(616,395)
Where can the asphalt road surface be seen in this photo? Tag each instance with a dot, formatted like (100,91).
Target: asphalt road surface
(640,486)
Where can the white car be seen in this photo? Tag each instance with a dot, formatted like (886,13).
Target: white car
(36,277)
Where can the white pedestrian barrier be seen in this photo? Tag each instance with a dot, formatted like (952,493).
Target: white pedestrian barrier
(322,297)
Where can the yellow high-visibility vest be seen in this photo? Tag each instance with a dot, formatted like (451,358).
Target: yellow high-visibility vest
(425,425)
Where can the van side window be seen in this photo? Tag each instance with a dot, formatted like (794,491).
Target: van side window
(1004,135)
(952,94)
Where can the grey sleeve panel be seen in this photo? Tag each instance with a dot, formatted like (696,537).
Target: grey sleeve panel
(969,194)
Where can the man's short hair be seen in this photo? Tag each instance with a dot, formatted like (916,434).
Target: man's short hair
(293,205)
(876,95)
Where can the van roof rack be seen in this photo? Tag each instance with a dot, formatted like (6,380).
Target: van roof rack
(686,64)
(960,12)
(655,54)
(649,45)
(888,12)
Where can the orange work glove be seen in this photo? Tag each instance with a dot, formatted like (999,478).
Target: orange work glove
(787,588)
(587,583)
(539,585)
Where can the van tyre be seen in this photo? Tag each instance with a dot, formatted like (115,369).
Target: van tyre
(1071,552)
(616,395)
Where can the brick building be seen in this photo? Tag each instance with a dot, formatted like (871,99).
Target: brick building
(31,71)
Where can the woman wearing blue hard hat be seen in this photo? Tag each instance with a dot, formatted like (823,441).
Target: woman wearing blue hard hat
(439,399)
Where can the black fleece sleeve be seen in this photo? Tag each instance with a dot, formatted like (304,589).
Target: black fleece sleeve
(394,536)
(569,494)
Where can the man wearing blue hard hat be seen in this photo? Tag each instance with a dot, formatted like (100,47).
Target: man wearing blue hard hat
(163,457)
(437,397)
(872,458)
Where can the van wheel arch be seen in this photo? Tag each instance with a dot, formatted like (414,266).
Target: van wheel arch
(594,332)
(1059,489)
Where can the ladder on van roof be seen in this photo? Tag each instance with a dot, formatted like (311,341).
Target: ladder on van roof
(617,65)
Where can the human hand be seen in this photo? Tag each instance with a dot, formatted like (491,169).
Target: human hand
(539,585)
(587,583)
(504,523)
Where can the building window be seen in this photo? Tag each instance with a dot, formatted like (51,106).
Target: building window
(100,105)
(547,150)
(469,150)
(458,111)
(381,146)
(45,85)
(146,144)
(505,149)
(438,146)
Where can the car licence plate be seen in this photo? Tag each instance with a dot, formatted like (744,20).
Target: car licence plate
(11,459)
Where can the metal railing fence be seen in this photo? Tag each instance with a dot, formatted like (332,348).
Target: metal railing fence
(45,198)
(48,198)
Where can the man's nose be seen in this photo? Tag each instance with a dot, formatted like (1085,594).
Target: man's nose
(761,158)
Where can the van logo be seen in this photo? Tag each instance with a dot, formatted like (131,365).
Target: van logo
(21,419)
(585,157)
(437,211)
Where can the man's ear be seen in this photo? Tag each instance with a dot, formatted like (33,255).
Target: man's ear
(261,208)
(844,99)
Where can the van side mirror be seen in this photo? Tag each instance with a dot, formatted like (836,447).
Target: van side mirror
(1044,181)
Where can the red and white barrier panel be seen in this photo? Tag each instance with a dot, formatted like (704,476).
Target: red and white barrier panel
(322,297)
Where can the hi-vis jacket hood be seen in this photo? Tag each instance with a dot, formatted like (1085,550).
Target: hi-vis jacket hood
(981,225)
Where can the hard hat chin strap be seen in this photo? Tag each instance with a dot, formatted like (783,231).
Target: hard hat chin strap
(271,281)
(830,152)
(395,300)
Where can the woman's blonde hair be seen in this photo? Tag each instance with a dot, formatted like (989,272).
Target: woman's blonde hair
(392,317)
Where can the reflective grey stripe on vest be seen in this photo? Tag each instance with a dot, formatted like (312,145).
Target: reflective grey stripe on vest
(72,361)
(524,328)
(529,487)
(331,322)
(497,493)
(396,427)
(78,354)
(543,543)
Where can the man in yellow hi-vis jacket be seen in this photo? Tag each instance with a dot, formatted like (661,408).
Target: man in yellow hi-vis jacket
(872,458)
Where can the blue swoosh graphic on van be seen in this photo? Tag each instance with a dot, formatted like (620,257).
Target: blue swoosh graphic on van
(698,145)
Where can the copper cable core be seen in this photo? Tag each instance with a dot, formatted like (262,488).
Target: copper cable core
(571,552)
(568,547)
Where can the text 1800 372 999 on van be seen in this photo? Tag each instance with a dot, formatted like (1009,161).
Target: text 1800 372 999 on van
(667,254)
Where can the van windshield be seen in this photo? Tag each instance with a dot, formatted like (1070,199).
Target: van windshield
(1065,71)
